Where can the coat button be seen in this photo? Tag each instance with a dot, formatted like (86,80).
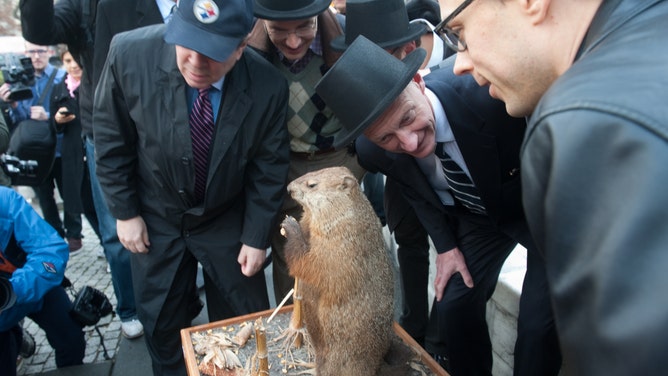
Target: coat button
(185,160)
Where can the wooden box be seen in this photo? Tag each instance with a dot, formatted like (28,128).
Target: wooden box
(191,360)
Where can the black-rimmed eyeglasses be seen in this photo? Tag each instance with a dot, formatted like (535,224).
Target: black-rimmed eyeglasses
(451,37)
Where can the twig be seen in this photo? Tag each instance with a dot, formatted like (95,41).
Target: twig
(287,296)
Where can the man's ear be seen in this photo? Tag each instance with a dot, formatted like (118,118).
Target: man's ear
(536,9)
(410,47)
(419,81)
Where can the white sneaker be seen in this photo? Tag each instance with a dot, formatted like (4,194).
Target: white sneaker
(132,329)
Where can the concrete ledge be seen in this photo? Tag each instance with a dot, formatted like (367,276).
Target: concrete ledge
(502,311)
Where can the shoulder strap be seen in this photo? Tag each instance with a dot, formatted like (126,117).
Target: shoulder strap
(47,87)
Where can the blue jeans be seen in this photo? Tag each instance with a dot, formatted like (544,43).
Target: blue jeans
(117,255)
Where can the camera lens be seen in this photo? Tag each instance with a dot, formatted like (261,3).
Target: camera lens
(7,296)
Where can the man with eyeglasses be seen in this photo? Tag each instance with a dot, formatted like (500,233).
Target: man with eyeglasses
(27,108)
(592,78)
(295,37)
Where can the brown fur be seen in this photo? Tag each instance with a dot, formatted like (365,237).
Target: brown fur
(338,252)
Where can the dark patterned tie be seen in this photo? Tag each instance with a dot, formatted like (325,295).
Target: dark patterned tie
(201,132)
(460,184)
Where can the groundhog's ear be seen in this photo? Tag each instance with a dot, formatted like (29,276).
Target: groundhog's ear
(348,181)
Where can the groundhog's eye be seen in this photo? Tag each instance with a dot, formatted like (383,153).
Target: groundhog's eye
(311,183)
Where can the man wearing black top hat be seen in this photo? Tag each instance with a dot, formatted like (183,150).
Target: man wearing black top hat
(295,37)
(192,155)
(386,24)
(455,152)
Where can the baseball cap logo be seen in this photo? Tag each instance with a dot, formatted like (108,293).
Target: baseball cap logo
(206,11)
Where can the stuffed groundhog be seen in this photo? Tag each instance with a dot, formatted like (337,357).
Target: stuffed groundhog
(338,253)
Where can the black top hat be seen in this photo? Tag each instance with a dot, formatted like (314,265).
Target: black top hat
(283,10)
(363,83)
(425,9)
(384,22)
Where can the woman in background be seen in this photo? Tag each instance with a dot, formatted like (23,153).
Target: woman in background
(75,187)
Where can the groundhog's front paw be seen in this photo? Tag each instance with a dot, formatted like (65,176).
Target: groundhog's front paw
(290,227)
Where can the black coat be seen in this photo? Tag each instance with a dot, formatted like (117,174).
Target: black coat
(71,151)
(145,161)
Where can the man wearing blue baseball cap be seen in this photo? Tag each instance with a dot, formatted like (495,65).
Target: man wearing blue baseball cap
(192,154)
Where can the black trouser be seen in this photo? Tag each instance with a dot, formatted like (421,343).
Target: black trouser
(50,211)
(461,314)
(413,255)
(182,305)
(63,333)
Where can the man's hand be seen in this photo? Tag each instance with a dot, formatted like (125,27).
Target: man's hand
(133,234)
(251,259)
(38,113)
(5,91)
(447,264)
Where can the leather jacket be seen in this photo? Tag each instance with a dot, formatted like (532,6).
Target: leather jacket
(594,177)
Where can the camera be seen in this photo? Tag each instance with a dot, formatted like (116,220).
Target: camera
(7,295)
(20,74)
(90,305)
(14,166)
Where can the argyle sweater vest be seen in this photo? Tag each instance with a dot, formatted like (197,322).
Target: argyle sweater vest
(312,125)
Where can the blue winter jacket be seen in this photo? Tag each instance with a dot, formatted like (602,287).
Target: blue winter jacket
(46,256)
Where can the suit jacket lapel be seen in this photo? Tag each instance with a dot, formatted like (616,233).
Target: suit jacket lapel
(235,105)
(173,88)
(147,13)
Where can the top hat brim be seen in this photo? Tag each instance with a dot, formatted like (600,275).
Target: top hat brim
(317,7)
(414,32)
(413,62)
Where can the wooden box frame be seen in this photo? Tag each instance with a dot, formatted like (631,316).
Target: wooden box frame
(191,360)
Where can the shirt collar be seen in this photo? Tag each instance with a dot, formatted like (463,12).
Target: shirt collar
(441,124)
(165,7)
(47,70)
(438,45)
(437,51)
(219,84)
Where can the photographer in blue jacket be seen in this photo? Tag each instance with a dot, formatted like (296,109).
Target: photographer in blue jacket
(32,263)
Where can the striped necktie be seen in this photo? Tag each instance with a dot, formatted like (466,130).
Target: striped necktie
(460,184)
(201,132)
